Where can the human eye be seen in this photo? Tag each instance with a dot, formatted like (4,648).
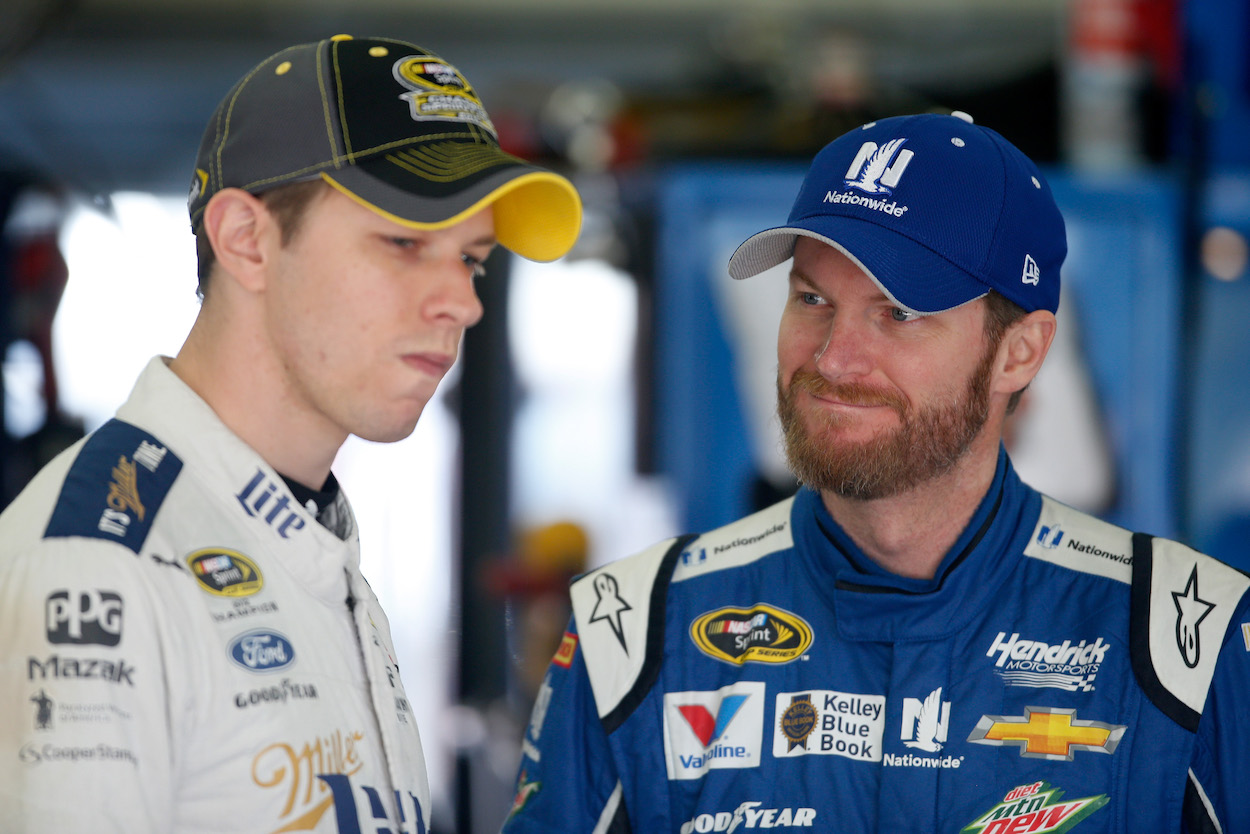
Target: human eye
(477,268)
(809,299)
(901,315)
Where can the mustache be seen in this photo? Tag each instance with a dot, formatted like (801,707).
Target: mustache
(852,393)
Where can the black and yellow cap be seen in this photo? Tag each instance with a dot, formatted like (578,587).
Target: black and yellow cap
(392,126)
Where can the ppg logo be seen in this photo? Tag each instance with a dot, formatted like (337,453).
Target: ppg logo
(877,170)
(93,617)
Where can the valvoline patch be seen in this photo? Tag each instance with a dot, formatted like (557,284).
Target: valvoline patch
(115,487)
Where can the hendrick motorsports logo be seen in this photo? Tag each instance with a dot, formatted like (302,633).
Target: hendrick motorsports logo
(1035,808)
(1060,665)
(761,633)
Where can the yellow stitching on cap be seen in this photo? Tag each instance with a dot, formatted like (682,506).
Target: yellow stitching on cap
(325,110)
(282,68)
(378,51)
(338,83)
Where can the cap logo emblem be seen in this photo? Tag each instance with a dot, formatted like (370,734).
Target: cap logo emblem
(1032,273)
(439,92)
(877,169)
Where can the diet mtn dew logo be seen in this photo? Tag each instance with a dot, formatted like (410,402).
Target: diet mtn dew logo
(1037,808)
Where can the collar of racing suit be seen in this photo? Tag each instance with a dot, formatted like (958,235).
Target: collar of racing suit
(872,604)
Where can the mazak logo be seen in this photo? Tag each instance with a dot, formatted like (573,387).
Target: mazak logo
(281,515)
(79,668)
(262,651)
(87,617)
(1032,273)
(1065,665)
(823,722)
(926,722)
(877,170)
(1036,807)
(750,815)
(722,728)
(1045,733)
(1191,610)
(761,634)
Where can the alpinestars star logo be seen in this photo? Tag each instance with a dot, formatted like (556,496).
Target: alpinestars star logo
(610,606)
(877,170)
(1191,610)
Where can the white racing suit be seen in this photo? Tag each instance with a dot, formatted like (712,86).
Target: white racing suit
(184,648)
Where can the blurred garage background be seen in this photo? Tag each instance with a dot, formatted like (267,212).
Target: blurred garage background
(624,394)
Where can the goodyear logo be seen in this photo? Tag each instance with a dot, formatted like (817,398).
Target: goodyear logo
(760,634)
(226,573)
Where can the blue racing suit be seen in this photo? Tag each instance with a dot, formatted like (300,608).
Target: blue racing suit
(1057,673)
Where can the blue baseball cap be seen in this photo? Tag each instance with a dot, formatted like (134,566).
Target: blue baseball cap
(937,210)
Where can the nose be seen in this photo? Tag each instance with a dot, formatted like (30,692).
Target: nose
(845,351)
(453,297)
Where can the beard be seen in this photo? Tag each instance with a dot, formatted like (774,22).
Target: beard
(927,443)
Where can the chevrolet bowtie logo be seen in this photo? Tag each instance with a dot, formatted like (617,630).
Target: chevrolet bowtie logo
(1043,733)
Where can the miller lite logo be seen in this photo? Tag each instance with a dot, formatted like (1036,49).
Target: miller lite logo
(877,169)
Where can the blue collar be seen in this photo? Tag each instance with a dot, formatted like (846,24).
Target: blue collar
(872,604)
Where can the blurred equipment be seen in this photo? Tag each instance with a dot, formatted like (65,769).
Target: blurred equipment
(33,274)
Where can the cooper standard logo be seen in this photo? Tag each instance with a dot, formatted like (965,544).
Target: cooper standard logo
(760,634)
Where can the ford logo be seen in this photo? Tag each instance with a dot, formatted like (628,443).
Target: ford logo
(262,651)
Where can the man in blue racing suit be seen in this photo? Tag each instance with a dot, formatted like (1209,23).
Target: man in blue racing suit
(917,641)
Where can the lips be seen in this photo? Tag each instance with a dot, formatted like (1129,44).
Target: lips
(434,364)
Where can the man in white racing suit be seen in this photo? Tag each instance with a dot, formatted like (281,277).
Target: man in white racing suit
(187,643)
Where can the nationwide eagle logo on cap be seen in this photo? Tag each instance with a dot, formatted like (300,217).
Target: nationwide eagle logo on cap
(876,170)
(439,92)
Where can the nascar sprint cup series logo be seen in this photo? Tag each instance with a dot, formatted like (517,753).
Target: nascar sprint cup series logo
(760,634)
(439,92)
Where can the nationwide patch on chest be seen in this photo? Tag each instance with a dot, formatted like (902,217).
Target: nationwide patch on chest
(225,573)
(759,634)
(1035,807)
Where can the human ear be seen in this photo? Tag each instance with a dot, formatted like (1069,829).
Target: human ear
(1023,348)
(238,224)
